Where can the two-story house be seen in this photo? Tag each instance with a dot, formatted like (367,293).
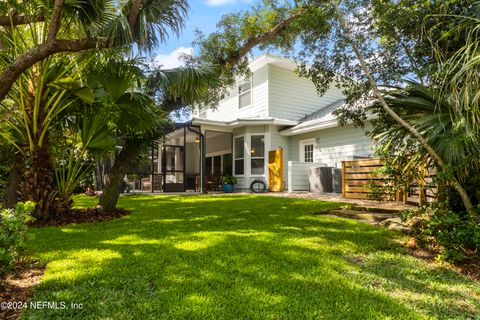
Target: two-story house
(275,109)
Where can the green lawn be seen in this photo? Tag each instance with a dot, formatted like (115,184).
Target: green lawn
(239,257)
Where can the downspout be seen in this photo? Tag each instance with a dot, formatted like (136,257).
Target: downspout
(202,158)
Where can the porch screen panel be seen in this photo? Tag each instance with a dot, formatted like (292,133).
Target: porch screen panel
(227,164)
(239,155)
(258,154)
(174,158)
(217,165)
(208,166)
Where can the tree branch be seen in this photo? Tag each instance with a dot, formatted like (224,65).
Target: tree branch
(408,127)
(10,74)
(16,20)
(252,42)
(55,20)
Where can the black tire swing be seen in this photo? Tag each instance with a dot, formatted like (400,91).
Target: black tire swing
(258,186)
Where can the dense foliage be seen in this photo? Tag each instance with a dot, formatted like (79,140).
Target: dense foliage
(446,231)
(65,106)
(13,227)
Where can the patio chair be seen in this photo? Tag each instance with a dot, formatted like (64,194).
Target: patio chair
(146,185)
(214,183)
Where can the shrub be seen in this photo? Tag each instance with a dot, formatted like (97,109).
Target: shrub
(227,179)
(3,180)
(13,227)
(451,233)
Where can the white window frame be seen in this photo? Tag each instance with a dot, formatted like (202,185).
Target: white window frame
(244,156)
(249,91)
(304,143)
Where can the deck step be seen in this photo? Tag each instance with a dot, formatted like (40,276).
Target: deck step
(362,215)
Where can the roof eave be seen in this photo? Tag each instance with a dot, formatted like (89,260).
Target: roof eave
(309,128)
(244,122)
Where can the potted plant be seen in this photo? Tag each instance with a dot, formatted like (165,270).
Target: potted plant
(228,183)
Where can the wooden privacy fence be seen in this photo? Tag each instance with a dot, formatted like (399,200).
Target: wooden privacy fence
(361,177)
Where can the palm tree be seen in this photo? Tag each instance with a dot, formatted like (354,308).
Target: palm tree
(137,116)
(38,99)
(79,25)
(458,73)
(86,134)
(354,44)
(133,116)
(430,111)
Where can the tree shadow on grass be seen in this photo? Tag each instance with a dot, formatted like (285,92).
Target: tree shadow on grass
(229,258)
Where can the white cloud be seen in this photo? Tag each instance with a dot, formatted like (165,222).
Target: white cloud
(224,2)
(219,2)
(171,60)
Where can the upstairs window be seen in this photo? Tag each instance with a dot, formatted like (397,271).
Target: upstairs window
(245,94)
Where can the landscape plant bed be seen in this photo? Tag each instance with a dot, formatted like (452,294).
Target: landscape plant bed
(470,267)
(17,287)
(84,215)
(418,249)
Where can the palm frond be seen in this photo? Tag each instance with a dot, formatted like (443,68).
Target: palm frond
(449,136)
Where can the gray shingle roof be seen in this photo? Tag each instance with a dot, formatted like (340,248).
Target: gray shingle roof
(323,111)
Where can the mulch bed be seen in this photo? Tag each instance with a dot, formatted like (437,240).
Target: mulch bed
(469,268)
(17,288)
(80,216)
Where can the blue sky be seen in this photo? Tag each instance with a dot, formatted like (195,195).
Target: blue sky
(203,15)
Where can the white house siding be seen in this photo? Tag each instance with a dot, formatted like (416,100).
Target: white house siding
(298,173)
(219,144)
(228,109)
(334,145)
(292,97)
(239,131)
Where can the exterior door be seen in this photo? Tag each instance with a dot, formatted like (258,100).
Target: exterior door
(275,170)
(174,168)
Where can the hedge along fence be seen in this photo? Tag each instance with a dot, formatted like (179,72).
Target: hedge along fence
(360,178)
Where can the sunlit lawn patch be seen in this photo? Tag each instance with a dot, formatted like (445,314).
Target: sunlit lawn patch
(239,257)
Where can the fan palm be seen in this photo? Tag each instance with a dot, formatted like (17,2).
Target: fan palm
(133,115)
(136,115)
(458,73)
(86,135)
(79,25)
(429,110)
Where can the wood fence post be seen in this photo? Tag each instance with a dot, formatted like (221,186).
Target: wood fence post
(422,197)
(343,179)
